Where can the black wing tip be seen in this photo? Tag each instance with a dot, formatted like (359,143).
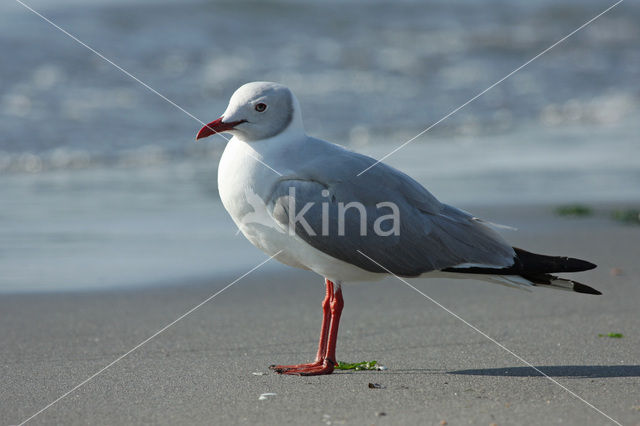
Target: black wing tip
(541,263)
(581,288)
(588,265)
(548,280)
(577,265)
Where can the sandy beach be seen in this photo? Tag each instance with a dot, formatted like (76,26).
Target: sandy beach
(201,370)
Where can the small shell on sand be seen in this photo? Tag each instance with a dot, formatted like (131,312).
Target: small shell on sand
(264,396)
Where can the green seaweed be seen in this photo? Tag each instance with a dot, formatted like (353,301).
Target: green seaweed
(627,216)
(578,210)
(612,335)
(364,365)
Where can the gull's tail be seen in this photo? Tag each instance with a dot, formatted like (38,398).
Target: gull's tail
(537,269)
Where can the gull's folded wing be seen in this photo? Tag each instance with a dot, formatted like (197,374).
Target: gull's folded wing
(339,219)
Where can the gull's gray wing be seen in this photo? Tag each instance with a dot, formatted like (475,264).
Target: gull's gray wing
(430,235)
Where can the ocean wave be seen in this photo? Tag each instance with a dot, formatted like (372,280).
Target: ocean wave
(75,159)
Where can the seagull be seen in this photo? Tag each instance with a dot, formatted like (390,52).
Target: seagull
(306,203)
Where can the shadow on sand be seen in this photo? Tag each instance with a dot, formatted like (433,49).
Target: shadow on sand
(583,371)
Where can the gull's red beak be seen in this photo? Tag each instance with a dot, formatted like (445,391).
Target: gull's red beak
(217,126)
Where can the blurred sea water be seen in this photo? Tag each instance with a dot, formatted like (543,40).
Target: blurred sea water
(102,184)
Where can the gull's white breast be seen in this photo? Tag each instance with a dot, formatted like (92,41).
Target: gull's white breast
(245,184)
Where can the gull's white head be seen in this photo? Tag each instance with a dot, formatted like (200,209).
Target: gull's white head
(256,111)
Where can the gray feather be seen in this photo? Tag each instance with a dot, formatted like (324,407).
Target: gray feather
(432,236)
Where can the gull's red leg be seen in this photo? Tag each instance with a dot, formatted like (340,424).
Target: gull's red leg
(329,361)
(326,320)
(327,344)
(336,311)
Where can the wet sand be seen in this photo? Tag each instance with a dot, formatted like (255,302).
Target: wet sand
(200,371)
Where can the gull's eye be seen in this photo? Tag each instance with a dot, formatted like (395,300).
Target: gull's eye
(261,107)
